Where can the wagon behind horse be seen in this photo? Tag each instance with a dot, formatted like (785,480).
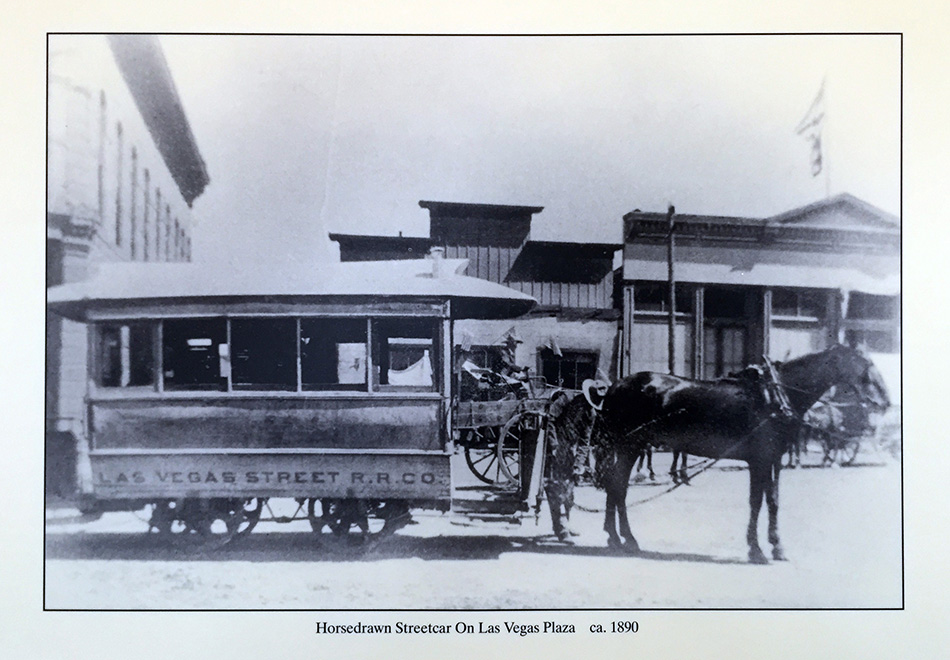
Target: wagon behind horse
(741,418)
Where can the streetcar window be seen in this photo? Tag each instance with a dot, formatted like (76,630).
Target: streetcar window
(264,354)
(125,355)
(333,354)
(193,352)
(405,353)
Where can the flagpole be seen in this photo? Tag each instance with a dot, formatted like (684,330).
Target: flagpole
(826,160)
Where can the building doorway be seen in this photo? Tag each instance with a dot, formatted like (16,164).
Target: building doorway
(725,331)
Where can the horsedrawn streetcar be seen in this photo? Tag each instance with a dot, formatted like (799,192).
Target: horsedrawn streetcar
(210,394)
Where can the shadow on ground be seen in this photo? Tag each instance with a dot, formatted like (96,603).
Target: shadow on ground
(302,547)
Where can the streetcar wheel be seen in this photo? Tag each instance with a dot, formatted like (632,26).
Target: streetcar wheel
(198,524)
(356,523)
(252,508)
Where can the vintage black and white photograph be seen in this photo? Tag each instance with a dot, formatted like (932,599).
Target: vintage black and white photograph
(470,322)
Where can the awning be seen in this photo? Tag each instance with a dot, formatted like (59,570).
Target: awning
(771,275)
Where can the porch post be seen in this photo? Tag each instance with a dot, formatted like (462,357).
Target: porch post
(627,331)
(699,325)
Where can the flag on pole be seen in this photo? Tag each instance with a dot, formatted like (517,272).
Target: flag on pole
(810,128)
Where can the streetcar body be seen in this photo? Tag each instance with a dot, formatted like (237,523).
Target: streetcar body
(330,386)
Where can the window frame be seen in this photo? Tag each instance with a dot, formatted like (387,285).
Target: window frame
(685,298)
(435,355)
(97,358)
(543,354)
(227,387)
(800,307)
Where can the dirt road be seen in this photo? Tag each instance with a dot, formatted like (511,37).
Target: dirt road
(841,529)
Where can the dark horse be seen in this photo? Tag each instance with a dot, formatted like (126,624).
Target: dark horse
(730,418)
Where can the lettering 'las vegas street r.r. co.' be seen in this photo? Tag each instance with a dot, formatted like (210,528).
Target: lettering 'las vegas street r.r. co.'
(266,477)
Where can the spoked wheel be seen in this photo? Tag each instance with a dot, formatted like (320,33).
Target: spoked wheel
(481,455)
(252,514)
(508,450)
(849,451)
(353,523)
(200,524)
(842,451)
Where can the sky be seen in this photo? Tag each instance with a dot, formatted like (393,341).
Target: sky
(304,135)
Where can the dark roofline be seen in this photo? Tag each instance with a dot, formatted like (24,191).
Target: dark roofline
(590,247)
(391,240)
(696,219)
(143,66)
(452,208)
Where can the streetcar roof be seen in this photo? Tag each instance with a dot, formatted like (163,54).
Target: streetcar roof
(372,281)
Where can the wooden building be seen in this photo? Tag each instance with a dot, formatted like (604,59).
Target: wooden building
(123,169)
(571,335)
(781,286)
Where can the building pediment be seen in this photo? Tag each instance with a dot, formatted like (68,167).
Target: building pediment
(843,211)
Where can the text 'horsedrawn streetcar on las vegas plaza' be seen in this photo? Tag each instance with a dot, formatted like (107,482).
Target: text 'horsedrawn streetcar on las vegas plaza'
(335,387)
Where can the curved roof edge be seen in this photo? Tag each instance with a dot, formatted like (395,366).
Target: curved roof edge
(372,281)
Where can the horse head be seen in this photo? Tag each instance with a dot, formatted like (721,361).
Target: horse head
(808,377)
(857,372)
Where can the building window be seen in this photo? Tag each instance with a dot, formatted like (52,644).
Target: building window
(867,306)
(264,354)
(333,354)
(653,297)
(486,357)
(405,353)
(875,341)
(125,355)
(146,202)
(118,188)
(133,202)
(569,369)
(168,232)
(158,224)
(797,304)
(195,354)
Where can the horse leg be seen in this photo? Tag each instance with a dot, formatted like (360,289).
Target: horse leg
(649,453)
(674,475)
(640,460)
(610,524)
(684,477)
(757,476)
(771,499)
(631,544)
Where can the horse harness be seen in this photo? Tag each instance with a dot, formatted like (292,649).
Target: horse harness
(773,393)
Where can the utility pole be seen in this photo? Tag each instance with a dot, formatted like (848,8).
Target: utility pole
(671,293)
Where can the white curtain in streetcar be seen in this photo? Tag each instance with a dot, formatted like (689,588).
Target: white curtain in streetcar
(417,374)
